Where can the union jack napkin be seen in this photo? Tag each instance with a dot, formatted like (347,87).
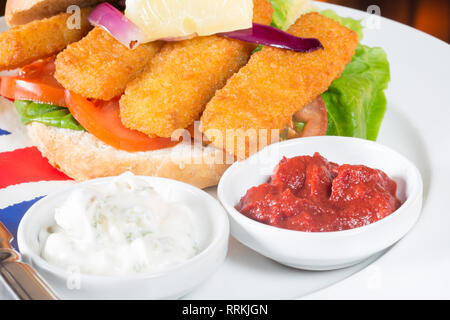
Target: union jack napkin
(25,176)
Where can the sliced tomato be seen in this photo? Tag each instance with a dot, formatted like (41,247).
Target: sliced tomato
(34,82)
(19,89)
(315,117)
(41,70)
(102,119)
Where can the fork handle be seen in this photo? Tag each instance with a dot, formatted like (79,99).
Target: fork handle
(22,279)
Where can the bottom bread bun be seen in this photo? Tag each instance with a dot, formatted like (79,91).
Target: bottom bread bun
(82,156)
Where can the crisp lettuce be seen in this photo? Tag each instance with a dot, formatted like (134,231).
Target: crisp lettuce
(47,114)
(356,102)
(285,12)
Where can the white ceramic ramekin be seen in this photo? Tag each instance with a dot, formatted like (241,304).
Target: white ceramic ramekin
(322,250)
(210,218)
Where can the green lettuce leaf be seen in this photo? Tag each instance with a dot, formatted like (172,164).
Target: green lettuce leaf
(356,102)
(285,12)
(47,114)
(350,23)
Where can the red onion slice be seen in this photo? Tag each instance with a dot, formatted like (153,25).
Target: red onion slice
(116,24)
(130,35)
(270,36)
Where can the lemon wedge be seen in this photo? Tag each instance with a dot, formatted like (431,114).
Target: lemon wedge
(163,19)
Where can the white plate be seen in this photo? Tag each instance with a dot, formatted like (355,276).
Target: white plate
(416,126)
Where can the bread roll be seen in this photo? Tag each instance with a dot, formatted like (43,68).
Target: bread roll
(19,12)
(82,156)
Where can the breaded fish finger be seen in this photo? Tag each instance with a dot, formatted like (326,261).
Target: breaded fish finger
(38,39)
(276,83)
(183,77)
(100,67)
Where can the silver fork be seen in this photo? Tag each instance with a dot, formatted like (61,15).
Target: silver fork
(21,278)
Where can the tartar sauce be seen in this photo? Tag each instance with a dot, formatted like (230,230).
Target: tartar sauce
(119,228)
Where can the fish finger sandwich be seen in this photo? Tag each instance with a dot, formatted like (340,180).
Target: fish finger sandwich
(161,87)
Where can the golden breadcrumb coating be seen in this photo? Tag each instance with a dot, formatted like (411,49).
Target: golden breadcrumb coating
(182,78)
(38,39)
(276,83)
(100,67)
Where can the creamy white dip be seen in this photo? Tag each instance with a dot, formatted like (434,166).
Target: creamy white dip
(119,228)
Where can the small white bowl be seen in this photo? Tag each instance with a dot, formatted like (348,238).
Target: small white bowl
(210,218)
(322,250)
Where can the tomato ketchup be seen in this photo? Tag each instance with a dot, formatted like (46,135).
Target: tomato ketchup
(312,194)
